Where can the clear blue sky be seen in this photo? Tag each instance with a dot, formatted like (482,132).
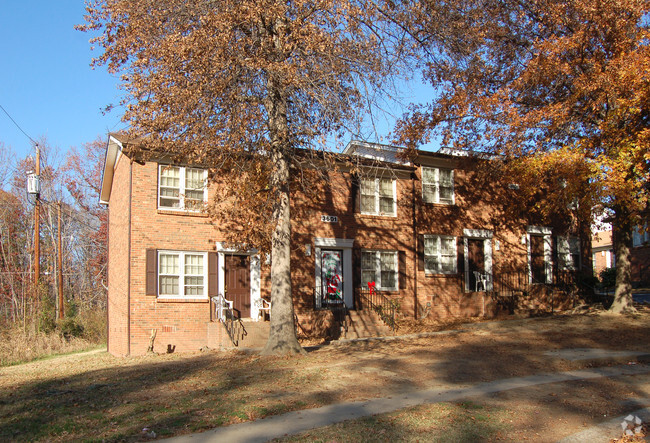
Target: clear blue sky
(48,86)
(46,82)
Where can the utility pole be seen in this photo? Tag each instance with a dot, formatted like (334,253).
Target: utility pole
(59,259)
(37,225)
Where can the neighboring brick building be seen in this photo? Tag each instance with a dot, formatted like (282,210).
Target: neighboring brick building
(603,251)
(434,234)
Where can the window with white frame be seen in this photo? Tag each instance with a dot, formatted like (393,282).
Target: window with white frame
(380,267)
(438,185)
(439,254)
(378,196)
(181,187)
(640,235)
(182,274)
(568,253)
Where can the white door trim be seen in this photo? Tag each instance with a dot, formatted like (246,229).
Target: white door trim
(480,234)
(255,274)
(548,257)
(344,245)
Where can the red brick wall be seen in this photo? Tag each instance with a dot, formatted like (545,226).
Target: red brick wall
(118,256)
(600,260)
(180,324)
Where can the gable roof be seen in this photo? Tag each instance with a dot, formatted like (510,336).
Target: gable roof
(113,153)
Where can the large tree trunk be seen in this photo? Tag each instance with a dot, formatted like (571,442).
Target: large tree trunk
(622,238)
(282,337)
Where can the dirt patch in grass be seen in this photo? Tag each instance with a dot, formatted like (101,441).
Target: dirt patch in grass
(101,397)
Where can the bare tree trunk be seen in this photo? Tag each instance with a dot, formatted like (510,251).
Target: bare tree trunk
(622,238)
(282,336)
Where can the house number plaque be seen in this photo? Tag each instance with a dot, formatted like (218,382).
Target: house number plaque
(329,218)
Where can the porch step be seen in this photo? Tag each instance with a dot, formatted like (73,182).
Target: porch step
(365,323)
(245,334)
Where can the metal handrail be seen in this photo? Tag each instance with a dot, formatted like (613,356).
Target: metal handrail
(225,314)
(341,314)
(385,307)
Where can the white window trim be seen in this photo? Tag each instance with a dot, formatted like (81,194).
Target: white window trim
(181,191)
(181,275)
(377,198)
(439,271)
(379,286)
(436,198)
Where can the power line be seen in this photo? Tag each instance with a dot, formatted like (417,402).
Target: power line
(18,126)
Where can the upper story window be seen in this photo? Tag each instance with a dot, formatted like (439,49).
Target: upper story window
(439,254)
(181,187)
(640,235)
(378,196)
(380,267)
(182,274)
(438,185)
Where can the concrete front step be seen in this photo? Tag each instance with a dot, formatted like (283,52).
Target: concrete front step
(245,334)
(365,323)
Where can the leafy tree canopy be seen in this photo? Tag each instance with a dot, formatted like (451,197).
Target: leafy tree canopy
(528,78)
(239,85)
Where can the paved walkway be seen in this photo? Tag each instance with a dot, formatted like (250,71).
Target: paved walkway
(301,421)
(608,430)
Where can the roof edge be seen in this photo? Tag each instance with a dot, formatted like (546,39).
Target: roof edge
(113,150)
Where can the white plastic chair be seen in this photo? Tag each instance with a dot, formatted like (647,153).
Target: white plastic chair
(264,306)
(481,279)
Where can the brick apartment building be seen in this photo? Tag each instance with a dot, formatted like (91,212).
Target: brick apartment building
(433,234)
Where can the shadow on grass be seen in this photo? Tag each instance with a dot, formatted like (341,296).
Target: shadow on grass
(174,395)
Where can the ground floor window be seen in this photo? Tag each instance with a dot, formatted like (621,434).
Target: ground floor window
(439,254)
(379,267)
(181,274)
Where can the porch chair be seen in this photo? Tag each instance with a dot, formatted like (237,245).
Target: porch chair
(264,307)
(481,279)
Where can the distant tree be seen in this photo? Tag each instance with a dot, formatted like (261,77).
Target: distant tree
(241,86)
(82,171)
(523,78)
(13,236)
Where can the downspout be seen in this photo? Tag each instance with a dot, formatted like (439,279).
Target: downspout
(415,250)
(128,274)
(108,282)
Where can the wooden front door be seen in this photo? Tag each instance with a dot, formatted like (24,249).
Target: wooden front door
(537,259)
(476,263)
(238,284)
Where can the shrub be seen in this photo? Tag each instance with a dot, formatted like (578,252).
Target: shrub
(69,327)
(94,325)
(607,278)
